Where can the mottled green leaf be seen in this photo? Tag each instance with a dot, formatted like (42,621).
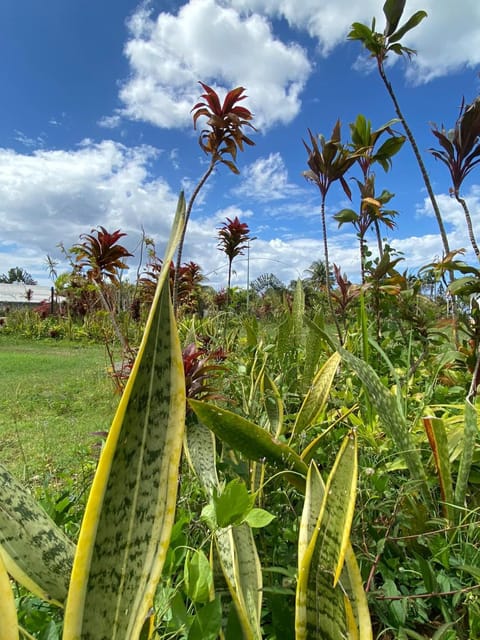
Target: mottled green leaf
(317,396)
(126,529)
(246,437)
(34,549)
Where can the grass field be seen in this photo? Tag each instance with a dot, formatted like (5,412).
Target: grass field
(52,397)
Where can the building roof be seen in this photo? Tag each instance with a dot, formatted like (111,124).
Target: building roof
(17,293)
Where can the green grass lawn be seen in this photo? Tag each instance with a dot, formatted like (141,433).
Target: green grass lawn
(53,395)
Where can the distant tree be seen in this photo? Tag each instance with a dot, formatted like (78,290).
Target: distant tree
(266,282)
(328,161)
(16,274)
(318,274)
(102,257)
(233,240)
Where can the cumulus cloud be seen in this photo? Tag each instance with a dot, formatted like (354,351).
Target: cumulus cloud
(446,41)
(53,196)
(170,53)
(266,179)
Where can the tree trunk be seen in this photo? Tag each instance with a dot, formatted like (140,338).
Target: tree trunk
(468,220)
(421,165)
(327,269)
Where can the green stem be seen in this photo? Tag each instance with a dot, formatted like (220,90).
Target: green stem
(194,195)
(416,151)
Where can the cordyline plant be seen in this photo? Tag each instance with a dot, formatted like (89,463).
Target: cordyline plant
(233,240)
(328,161)
(364,140)
(221,139)
(371,211)
(103,257)
(380,45)
(461,153)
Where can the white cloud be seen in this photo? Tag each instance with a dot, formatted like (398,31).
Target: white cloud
(53,196)
(446,41)
(266,179)
(169,54)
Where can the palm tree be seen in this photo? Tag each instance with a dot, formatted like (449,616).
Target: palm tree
(222,138)
(461,153)
(233,240)
(328,161)
(380,45)
(318,275)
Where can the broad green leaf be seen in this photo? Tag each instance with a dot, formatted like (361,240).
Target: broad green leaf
(393,10)
(34,549)
(8,611)
(346,215)
(246,437)
(197,576)
(130,511)
(437,437)
(232,504)
(207,622)
(470,433)
(315,400)
(258,518)
(410,24)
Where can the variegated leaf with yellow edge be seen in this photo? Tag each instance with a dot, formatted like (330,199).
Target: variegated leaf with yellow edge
(323,609)
(8,612)
(127,524)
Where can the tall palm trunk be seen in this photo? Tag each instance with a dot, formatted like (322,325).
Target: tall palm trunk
(421,165)
(468,220)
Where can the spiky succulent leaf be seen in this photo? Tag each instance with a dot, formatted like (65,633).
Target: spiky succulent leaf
(34,550)
(127,524)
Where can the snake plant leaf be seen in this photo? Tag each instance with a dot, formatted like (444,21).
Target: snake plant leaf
(235,545)
(316,398)
(35,551)
(246,437)
(393,421)
(272,401)
(127,524)
(243,574)
(470,433)
(8,611)
(437,437)
(352,582)
(200,453)
(298,313)
(321,609)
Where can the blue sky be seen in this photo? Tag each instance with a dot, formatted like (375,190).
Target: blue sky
(95,125)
